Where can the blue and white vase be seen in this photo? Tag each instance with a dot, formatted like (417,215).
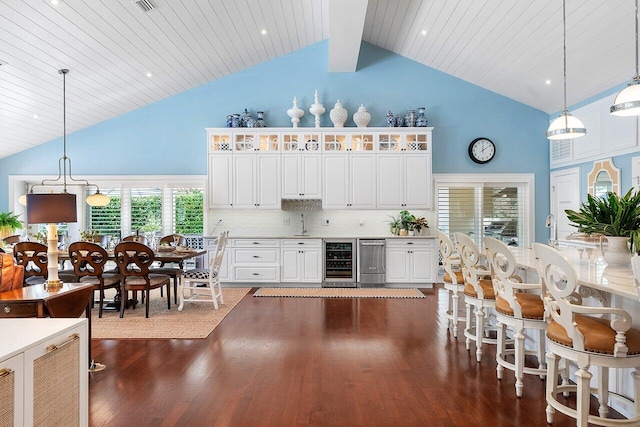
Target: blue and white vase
(399,121)
(244,119)
(260,120)
(410,118)
(229,120)
(421,121)
(235,121)
(391,121)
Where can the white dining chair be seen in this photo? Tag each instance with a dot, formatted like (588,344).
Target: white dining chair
(453,281)
(203,285)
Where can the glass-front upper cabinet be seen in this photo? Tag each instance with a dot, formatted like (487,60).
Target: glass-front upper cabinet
(219,141)
(301,141)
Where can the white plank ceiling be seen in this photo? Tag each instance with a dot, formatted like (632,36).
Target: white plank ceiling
(507,46)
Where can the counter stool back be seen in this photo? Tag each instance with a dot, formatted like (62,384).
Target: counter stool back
(518,306)
(587,336)
(453,281)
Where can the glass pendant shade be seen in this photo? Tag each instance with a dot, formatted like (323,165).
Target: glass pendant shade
(23,200)
(566,126)
(627,103)
(97,199)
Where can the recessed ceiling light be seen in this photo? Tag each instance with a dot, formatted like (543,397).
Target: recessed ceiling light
(547,82)
(423,32)
(35,116)
(149,74)
(54,2)
(263,32)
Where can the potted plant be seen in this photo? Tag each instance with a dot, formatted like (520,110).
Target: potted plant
(406,220)
(9,222)
(418,223)
(613,216)
(394,225)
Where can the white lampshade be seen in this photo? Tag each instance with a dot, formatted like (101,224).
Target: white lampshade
(98,199)
(566,126)
(23,200)
(627,103)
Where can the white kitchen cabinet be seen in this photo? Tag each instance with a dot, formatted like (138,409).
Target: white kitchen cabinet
(220,181)
(349,181)
(33,371)
(301,260)
(255,260)
(411,261)
(404,181)
(210,244)
(256,181)
(301,176)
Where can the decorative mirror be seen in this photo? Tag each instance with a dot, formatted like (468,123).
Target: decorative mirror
(604,177)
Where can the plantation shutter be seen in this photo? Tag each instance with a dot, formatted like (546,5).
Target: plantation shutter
(146,209)
(188,215)
(484,209)
(106,220)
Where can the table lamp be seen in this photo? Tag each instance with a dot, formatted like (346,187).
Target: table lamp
(51,209)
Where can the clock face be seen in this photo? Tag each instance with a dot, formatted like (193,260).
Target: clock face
(482,150)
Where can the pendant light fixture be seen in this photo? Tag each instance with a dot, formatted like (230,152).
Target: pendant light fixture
(565,126)
(627,102)
(65,178)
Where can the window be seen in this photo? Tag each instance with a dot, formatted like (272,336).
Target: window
(188,217)
(495,206)
(106,220)
(146,209)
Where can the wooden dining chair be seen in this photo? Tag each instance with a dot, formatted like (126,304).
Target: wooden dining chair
(134,261)
(88,261)
(32,256)
(203,285)
(519,306)
(589,337)
(172,269)
(136,238)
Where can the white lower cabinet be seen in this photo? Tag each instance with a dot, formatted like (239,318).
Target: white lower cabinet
(255,260)
(43,368)
(301,260)
(210,244)
(411,261)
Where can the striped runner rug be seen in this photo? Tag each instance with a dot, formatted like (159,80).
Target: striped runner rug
(340,292)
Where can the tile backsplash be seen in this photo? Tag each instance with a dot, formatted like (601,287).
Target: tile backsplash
(272,223)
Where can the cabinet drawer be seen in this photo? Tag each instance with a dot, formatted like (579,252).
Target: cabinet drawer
(411,243)
(18,309)
(255,243)
(301,243)
(251,274)
(255,256)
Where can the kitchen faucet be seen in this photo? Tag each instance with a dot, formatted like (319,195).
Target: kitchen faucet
(552,225)
(304,229)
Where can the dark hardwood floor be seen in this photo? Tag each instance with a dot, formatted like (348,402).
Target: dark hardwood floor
(313,361)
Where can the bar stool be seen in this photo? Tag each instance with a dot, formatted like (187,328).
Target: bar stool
(519,306)
(479,295)
(453,281)
(575,333)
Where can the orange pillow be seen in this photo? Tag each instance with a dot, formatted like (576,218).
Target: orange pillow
(11,275)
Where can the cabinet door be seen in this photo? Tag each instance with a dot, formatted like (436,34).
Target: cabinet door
(267,181)
(336,178)
(220,181)
(422,266)
(291,173)
(12,383)
(590,144)
(311,260)
(362,181)
(310,177)
(390,181)
(225,267)
(290,270)
(244,178)
(397,265)
(417,173)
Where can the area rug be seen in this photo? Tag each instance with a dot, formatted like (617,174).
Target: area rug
(340,292)
(196,320)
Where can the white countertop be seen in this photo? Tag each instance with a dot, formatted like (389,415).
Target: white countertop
(16,334)
(591,271)
(317,236)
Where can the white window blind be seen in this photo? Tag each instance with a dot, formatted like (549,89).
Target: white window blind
(106,220)
(485,209)
(146,209)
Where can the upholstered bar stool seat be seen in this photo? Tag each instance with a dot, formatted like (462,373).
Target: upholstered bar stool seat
(453,282)
(531,305)
(479,295)
(599,337)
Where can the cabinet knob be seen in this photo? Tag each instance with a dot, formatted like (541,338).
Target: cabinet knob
(255,274)
(256,256)
(256,243)
(7,309)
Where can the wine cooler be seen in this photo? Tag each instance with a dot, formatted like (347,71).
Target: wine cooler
(339,263)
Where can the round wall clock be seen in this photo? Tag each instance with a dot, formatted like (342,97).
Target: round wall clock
(482,150)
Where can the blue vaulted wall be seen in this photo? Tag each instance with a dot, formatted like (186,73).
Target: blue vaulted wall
(168,137)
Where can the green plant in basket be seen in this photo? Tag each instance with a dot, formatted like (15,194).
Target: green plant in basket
(610,215)
(9,222)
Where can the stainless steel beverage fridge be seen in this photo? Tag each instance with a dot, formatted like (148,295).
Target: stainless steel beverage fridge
(339,257)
